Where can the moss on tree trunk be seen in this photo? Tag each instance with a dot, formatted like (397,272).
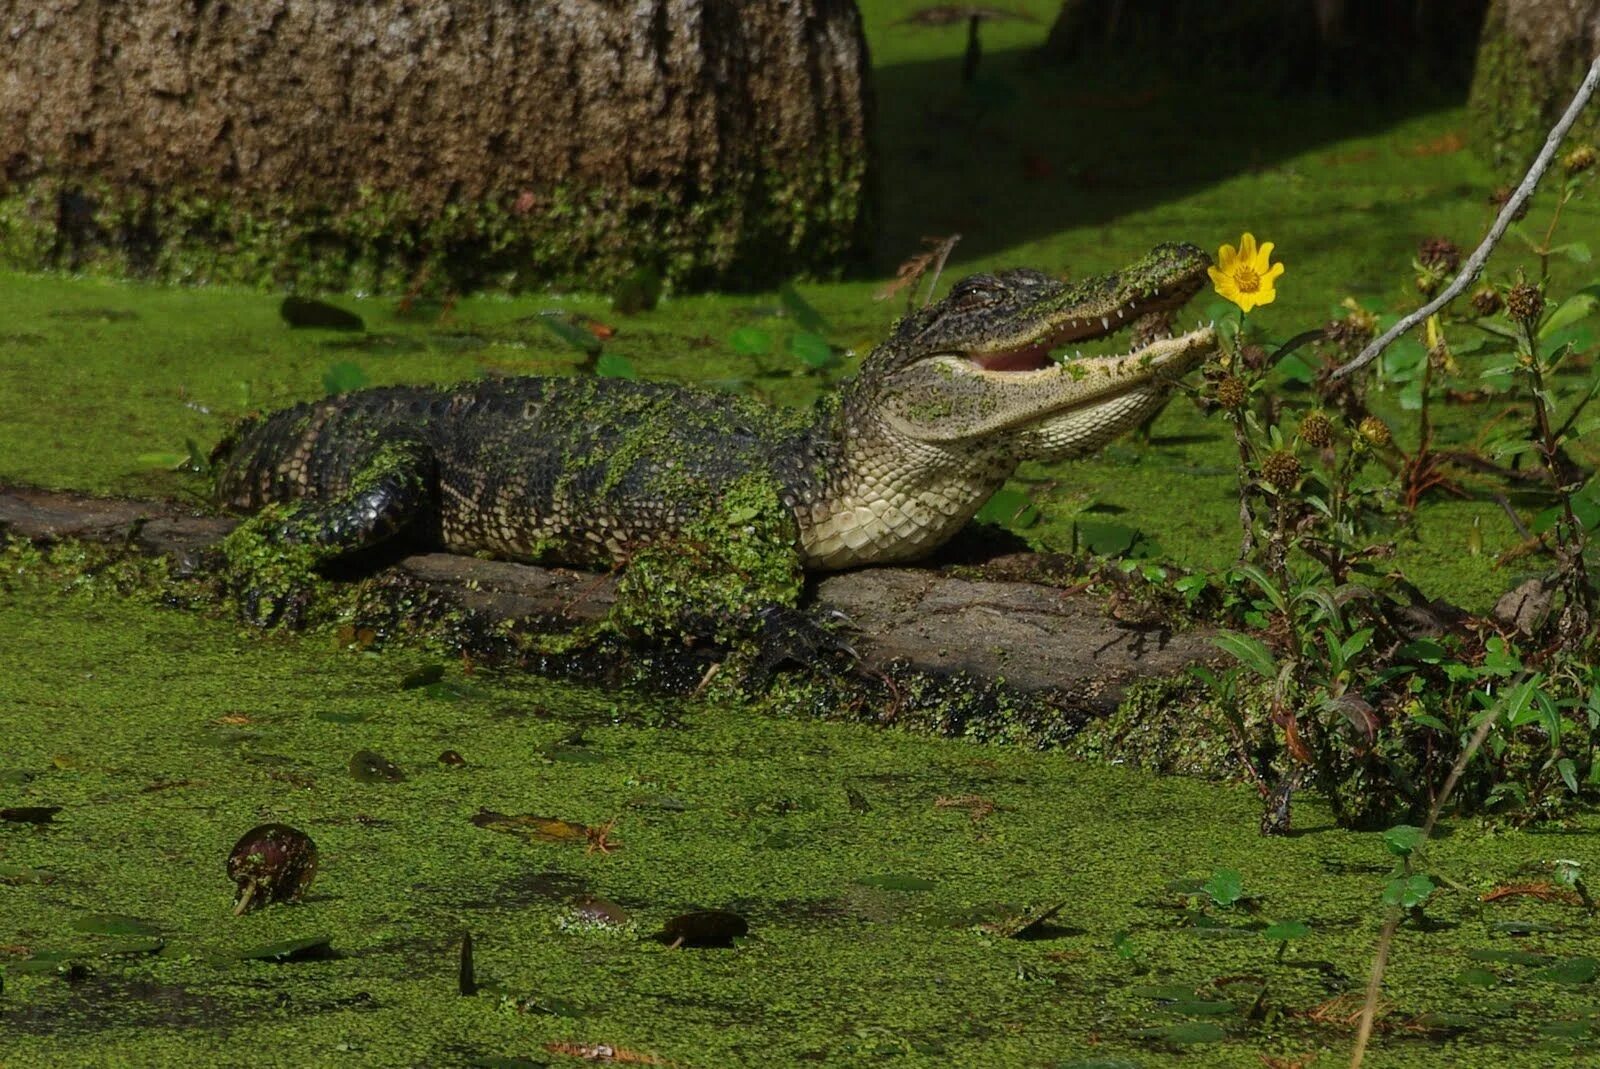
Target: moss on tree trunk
(367,144)
(1532,57)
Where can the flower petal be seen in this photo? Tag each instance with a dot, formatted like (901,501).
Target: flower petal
(1247,246)
(1263,254)
(1269,275)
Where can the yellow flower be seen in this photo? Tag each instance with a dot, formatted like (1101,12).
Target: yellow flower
(1244,276)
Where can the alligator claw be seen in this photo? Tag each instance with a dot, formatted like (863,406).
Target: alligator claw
(795,637)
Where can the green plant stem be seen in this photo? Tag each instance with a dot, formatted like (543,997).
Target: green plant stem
(1391,923)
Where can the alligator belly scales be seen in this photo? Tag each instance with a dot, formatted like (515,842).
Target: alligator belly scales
(587,471)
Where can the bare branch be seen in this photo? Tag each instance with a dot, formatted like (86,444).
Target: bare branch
(1513,207)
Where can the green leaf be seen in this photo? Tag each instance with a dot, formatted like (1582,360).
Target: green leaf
(1225,887)
(1283,931)
(813,350)
(1403,839)
(1183,1034)
(1408,892)
(343,377)
(1569,773)
(750,341)
(1578,970)
(892,882)
(1009,508)
(614,366)
(1250,651)
(806,317)
(1578,306)
(1576,251)
(114,924)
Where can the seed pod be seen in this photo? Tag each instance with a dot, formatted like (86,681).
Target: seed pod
(1524,302)
(1579,159)
(1232,392)
(1316,430)
(1439,254)
(1486,300)
(1376,431)
(1281,469)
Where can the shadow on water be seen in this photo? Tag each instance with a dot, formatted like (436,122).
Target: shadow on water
(1028,150)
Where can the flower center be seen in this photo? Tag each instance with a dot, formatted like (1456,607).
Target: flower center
(1246,279)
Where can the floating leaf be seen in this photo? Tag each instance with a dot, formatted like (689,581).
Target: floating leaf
(704,928)
(1477,976)
(528,826)
(750,341)
(1009,508)
(343,718)
(343,377)
(813,350)
(1286,930)
(892,882)
(315,948)
(368,766)
(598,912)
(1580,970)
(614,366)
(1225,887)
(1184,1033)
(113,924)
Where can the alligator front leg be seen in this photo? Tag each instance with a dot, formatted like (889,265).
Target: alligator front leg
(272,558)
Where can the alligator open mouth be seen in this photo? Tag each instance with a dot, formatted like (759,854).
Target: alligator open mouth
(1147,326)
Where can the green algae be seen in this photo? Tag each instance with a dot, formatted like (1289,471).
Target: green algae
(864,860)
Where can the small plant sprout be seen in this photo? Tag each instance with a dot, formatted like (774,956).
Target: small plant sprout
(1225,888)
(1282,932)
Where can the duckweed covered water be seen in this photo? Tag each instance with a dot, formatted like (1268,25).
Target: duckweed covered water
(879,873)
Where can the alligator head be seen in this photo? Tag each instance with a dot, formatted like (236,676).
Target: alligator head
(963,390)
(977,366)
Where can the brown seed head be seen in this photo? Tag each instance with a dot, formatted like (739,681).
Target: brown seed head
(1281,468)
(1579,159)
(1232,392)
(1316,430)
(1376,431)
(1486,300)
(1524,302)
(1439,254)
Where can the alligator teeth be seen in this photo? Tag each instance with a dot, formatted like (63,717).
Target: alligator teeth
(1105,323)
(1119,313)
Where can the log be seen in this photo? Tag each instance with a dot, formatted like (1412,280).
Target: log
(1032,637)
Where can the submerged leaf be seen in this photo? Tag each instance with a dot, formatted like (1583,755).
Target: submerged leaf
(529,826)
(315,948)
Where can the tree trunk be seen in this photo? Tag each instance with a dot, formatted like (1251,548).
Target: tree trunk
(1532,57)
(1364,47)
(360,143)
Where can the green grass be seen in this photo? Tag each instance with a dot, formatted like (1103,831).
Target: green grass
(129,715)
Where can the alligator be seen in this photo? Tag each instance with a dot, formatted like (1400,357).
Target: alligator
(605,472)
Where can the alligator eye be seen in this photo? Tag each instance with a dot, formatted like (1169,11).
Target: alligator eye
(976,291)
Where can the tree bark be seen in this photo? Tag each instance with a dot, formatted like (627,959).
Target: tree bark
(1363,47)
(1531,59)
(355,143)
